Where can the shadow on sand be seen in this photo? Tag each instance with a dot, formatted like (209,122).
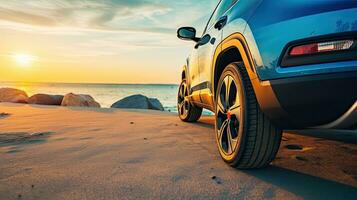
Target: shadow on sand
(346,136)
(206,122)
(23,138)
(304,185)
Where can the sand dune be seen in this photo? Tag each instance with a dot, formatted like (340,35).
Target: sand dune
(76,153)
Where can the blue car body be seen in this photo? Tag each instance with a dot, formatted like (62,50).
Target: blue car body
(276,23)
(315,90)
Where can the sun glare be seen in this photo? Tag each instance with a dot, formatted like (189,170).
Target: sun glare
(24,59)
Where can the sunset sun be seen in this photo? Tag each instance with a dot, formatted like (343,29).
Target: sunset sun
(24,59)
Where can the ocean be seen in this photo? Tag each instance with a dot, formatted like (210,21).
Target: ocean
(105,94)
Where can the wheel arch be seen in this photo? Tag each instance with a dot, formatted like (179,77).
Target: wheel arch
(234,48)
(231,49)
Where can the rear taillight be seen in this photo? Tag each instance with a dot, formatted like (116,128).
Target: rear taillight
(321,47)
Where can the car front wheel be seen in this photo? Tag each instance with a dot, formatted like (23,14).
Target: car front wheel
(186,110)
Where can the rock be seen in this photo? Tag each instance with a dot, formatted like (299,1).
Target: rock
(132,102)
(156,104)
(79,100)
(13,95)
(138,102)
(46,99)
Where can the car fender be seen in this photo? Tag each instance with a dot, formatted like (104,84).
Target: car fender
(264,93)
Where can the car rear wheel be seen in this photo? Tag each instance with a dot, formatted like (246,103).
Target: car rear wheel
(186,110)
(246,138)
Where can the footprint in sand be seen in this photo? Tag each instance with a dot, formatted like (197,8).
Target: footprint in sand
(4,115)
(216,179)
(294,147)
(301,158)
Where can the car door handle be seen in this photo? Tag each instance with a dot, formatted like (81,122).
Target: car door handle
(221,23)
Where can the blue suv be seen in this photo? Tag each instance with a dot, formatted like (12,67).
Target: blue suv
(266,65)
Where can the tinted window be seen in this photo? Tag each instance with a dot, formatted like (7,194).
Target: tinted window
(220,10)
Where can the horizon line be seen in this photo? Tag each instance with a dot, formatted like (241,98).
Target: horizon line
(98,83)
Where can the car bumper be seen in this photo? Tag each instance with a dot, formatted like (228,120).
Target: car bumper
(315,100)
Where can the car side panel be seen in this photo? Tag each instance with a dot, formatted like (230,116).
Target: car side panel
(192,66)
(206,53)
(193,74)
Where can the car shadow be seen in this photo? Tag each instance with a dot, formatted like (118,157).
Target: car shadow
(346,136)
(206,122)
(303,185)
(307,186)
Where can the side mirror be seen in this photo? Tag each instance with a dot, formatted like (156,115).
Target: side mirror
(187,33)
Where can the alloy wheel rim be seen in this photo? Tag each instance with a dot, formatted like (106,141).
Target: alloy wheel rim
(228,115)
(183,104)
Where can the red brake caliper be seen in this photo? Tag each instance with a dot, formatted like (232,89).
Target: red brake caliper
(228,115)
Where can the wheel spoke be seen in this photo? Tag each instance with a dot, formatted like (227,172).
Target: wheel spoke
(236,111)
(229,140)
(220,105)
(222,95)
(185,92)
(180,92)
(187,105)
(236,101)
(227,82)
(181,106)
(221,131)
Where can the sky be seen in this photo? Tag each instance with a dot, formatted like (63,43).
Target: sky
(103,41)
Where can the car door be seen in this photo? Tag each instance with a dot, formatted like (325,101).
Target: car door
(206,48)
(193,73)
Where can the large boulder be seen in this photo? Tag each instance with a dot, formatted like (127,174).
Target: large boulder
(79,100)
(155,104)
(46,99)
(138,102)
(13,95)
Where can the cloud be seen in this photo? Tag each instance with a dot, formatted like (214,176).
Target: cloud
(25,18)
(160,16)
(107,15)
(89,28)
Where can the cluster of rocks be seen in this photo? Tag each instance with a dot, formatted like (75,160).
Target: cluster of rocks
(18,96)
(77,100)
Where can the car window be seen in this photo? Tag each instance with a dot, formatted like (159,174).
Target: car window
(222,7)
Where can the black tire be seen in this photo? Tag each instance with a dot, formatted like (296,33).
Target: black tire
(245,137)
(186,110)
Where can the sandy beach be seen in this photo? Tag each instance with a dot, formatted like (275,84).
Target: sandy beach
(49,152)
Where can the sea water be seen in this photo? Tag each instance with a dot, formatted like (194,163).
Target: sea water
(105,94)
